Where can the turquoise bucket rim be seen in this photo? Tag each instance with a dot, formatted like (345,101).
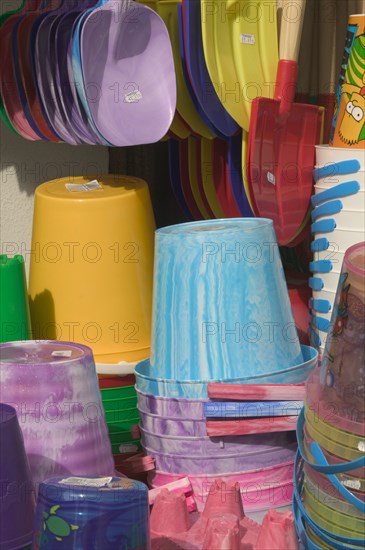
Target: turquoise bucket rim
(309,354)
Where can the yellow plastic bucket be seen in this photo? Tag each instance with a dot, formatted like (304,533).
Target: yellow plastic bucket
(91,265)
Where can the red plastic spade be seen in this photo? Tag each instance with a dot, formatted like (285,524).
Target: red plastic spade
(282,136)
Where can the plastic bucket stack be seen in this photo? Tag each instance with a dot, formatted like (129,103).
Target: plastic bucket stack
(14,306)
(330,489)
(338,223)
(99,235)
(121,413)
(218,286)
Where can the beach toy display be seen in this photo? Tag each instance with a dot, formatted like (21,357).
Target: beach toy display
(92,512)
(17,491)
(54,388)
(207,273)
(99,235)
(219,290)
(14,305)
(348,128)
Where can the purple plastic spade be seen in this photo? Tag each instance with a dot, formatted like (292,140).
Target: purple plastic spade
(126,56)
(44,54)
(70,101)
(57,85)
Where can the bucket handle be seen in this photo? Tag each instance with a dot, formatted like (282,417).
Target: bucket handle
(321,465)
(335,541)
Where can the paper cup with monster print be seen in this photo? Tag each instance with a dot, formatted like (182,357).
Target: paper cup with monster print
(342,371)
(348,124)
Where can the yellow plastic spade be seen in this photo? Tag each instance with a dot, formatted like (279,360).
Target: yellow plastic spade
(241,50)
(206,163)
(167,9)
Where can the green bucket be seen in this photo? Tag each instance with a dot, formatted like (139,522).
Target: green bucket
(14,304)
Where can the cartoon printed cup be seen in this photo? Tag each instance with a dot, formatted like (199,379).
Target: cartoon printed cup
(348,125)
(343,365)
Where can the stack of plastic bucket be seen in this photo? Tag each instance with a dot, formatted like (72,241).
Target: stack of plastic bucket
(121,413)
(330,489)
(14,305)
(219,289)
(91,279)
(338,222)
(339,200)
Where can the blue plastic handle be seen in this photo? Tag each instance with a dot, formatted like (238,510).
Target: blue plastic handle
(320,266)
(327,209)
(325,468)
(320,459)
(321,323)
(315,283)
(340,190)
(336,542)
(322,306)
(319,245)
(323,226)
(337,169)
(300,529)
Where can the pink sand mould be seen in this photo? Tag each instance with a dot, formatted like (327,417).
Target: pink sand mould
(221,526)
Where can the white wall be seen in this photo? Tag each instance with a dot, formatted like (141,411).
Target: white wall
(23,166)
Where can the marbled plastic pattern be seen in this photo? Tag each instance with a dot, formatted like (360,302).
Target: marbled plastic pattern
(59,407)
(221,308)
(171,407)
(171,426)
(147,383)
(213,446)
(221,462)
